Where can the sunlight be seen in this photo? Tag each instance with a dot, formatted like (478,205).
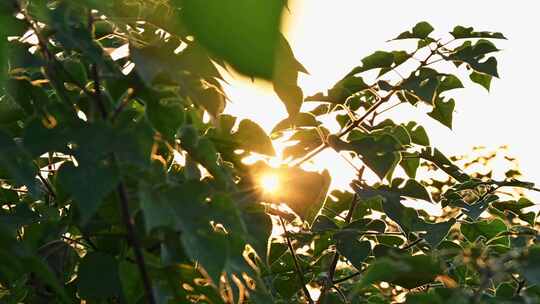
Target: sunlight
(270,183)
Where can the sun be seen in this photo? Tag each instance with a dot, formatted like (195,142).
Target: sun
(270,183)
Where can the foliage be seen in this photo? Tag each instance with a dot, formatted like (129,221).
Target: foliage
(115,188)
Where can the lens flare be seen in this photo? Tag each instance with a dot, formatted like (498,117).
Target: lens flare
(270,183)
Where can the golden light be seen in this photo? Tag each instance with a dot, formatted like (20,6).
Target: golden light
(270,183)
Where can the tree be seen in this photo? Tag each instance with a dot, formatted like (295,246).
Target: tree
(116,189)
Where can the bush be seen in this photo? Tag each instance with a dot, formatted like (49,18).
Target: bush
(116,188)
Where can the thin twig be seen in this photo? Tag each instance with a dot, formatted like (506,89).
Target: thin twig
(341,294)
(347,278)
(124,203)
(412,244)
(46,183)
(349,128)
(299,272)
(97,92)
(139,258)
(332,269)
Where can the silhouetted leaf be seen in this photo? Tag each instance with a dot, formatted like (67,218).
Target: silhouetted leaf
(435,156)
(301,120)
(443,111)
(473,55)
(342,90)
(461,32)
(418,133)
(379,59)
(354,250)
(378,153)
(420,31)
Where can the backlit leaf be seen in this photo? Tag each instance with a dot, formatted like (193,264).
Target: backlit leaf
(242,32)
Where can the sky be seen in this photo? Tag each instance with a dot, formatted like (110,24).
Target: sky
(331,37)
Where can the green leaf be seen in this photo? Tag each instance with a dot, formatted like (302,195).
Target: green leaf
(411,188)
(379,153)
(435,156)
(259,227)
(473,211)
(252,137)
(342,90)
(410,163)
(461,32)
(211,99)
(183,207)
(130,278)
(165,115)
(88,184)
(443,111)
(403,270)
(4,16)
(276,250)
(418,133)
(531,265)
(98,276)
(323,224)
(379,59)
(243,32)
(10,111)
(68,23)
(450,82)
(291,95)
(437,232)
(156,208)
(420,31)
(38,139)
(286,77)
(481,79)
(473,55)
(301,120)
(485,229)
(17,163)
(422,84)
(354,250)
(407,218)
(514,206)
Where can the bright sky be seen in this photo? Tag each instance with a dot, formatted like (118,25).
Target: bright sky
(330,37)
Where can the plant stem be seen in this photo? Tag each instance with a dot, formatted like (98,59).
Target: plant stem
(346,278)
(124,202)
(412,244)
(132,238)
(298,269)
(332,269)
(97,92)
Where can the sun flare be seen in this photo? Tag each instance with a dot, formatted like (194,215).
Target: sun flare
(270,183)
